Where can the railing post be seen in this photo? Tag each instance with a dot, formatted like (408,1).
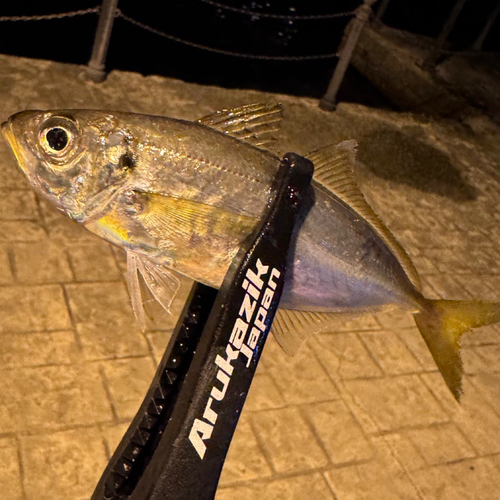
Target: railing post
(381,10)
(432,58)
(95,68)
(328,102)
(478,44)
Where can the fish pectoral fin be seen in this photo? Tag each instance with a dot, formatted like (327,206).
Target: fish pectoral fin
(178,220)
(162,283)
(291,328)
(334,170)
(253,123)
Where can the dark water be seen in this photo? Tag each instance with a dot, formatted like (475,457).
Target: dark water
(405,159)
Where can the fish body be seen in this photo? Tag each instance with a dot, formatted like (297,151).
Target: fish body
(180,197)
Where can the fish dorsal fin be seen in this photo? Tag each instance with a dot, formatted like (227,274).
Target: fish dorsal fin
(291,328)
(253,123)
(333,169)
(163,284)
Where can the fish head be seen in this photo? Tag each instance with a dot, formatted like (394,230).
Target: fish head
(77,159)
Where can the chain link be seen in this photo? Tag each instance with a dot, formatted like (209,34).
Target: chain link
(277,16)
(133,21)
(44,17)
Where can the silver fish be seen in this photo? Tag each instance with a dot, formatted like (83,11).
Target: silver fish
(180,197)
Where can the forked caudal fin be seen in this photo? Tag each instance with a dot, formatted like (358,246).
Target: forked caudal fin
(442,323)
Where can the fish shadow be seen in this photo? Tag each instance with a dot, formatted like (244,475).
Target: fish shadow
(401,158)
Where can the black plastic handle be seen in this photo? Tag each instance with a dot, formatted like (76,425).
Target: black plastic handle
(176,446)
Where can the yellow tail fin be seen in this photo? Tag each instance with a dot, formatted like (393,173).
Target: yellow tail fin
(442,324)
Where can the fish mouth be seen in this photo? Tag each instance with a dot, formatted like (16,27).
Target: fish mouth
(11,139)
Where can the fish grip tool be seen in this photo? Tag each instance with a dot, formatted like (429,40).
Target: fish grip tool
(176,445)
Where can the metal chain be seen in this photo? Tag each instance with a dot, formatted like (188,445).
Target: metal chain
(44,17)
(131,20)
(277,16)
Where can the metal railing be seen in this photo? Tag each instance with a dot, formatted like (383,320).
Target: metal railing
(109,11)
(448,25)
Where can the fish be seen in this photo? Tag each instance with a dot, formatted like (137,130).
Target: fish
(180,197)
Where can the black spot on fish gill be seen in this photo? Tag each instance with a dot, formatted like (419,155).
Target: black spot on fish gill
(126,162)
(405,159)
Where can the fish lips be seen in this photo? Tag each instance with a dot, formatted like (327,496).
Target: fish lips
(9,134)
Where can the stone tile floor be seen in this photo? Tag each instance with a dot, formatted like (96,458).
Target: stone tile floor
(360,413)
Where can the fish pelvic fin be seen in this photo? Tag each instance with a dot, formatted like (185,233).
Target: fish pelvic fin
(162,284)
(442,323)
(334,170)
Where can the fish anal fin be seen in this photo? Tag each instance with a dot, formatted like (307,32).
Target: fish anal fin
(333,169)
(162,284)
(253,123)
(291,328)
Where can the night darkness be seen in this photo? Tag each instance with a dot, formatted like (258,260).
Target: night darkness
(133,49)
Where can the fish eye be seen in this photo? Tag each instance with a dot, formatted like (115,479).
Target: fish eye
(57,138)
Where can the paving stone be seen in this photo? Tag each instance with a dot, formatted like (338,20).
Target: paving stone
(489,386)
(395,319)
(128,380)
(120,340)
(42,262)
(477,359)
(62,229)
(264,394)
(481,287)
(288,441)
(467,480)
(299,487)
(62,465)
(339,432)
(381,478)
(5,269)
(104,320)
(447,287)
(486,335)
(405,452)
(396,403)
(18,205)
(112,435)
(412,338)
(21,231)
(441,444)
(424,265)
(11,177)
(50,397)
(301,378)
(93,262)
(245,460)
(344,356)
(10,471)
(390,353)
(476,419)
(158,342)
(36,349)
(33,308)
